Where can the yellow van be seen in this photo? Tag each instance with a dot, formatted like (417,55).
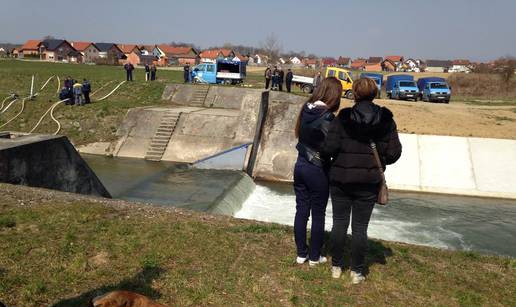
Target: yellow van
(345,77)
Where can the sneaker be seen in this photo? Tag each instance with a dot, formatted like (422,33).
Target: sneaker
(336,271)
(300,260)
(356,278)
(322,259)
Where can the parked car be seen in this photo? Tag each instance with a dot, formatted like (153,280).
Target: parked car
(401,87)
(378,78)
(434,89)
(223,71)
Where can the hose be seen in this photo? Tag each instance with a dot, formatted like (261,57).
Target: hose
(120,84)
(49,109)
(53,118)
(22,108)
(8,106)
(102,87)
(6,98)
(58,85)
(45,84)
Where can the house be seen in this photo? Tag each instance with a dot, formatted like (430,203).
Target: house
(212,55)
(358,64)
(374,60)
(389,65)
(147,59)
(15,53)
(172,55)
(240,58)
(411,65)
(131,52)
(146,49)
(396,59)
(329,62)
(344,62)
(89,51)
(438,65)
(59,50)
(461,66)
(260,59)
(295,61)
(310,63)
(30,49)
(6,50)
(109,53)
(373,66)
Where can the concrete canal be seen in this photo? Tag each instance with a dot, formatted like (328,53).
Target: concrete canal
(460,223)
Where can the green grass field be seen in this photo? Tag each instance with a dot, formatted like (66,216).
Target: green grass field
(61,250)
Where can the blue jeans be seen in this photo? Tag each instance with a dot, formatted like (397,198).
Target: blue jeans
(312,192)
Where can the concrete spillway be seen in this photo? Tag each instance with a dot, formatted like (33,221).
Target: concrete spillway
(213,119)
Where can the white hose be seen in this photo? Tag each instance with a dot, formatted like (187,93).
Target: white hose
(45,84)
(22,108)
(3,101)
(8,106)
(102,87)
(120,84)
(58,85)
(53,118)
(49,109)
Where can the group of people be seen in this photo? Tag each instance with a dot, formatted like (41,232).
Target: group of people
(75,93)
(277,76)
(337,157)
(150,71)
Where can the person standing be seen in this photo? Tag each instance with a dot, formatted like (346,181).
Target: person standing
(275,81)
(153,70)
(310,172)
(281,78)
(288,80)
(186,73)
(77,94)
(86,89)
(317,80)
(147,72)
(129,71)
(354,175)
(268,76)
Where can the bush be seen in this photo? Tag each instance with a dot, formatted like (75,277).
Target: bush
(482,86)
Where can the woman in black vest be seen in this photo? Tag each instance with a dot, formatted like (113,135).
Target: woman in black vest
(310,172)
(354,174)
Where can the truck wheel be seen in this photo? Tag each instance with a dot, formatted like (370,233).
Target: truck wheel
(349,95)
(389,96)
(307,89)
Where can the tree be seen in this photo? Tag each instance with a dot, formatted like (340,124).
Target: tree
(505,67)
(272,47)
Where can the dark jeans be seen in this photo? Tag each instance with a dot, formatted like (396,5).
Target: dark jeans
(289,86)
(312,191)
(86,97)
(267,83)
(280,84)
(358,199)
(129,75)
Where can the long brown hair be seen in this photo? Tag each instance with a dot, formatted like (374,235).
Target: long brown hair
(329,92)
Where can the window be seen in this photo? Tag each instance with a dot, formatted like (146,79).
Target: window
(201,67)
(331,73)
(210,68)
(342,76)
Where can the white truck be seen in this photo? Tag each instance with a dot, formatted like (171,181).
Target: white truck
(306,84)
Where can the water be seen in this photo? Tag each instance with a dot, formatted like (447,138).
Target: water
(453,222)
(462,223)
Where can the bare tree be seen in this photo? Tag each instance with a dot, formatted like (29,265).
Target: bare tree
(506,67)
(272,47)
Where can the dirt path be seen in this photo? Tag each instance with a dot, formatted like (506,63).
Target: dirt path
(453,119)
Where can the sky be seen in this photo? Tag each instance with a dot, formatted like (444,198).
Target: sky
(478,30)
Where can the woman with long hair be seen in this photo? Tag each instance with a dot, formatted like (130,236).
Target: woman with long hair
(310,172)
(354,175)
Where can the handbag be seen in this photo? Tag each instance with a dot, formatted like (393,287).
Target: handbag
(383,193)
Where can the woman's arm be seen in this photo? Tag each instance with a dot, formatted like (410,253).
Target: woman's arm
(392,151)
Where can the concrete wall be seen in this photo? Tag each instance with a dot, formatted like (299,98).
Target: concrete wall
(47,162)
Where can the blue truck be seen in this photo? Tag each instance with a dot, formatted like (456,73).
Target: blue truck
(401,87)
(223,71)
(378,78)
(434,89)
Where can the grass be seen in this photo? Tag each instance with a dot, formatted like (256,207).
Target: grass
(61,250)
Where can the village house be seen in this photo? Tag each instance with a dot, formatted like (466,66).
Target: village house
(30,49)
(110,53)
(240,58)
(396,59)
(461,66)
(260,59)
(147,49)
(88,50)
(310,63)
(344,62)
(438,66)
(373,64)
(131,53)
(295,61)
(358,64)
(59,50)
(389,65)
(171,55)
(329,62)
(411,65)
(15,53)
(212,55)
(6,50)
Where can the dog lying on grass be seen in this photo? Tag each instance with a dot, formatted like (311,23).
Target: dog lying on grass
(125,299)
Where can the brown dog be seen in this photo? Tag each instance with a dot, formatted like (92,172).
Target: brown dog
(123,299)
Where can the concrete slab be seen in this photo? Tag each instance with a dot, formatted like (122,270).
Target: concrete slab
(98,148)
(445,163)
(405,173)
(494,164)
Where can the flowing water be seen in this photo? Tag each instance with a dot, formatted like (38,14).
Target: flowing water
(454,222)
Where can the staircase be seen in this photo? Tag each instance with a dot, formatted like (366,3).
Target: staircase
(199,95)
(162,136)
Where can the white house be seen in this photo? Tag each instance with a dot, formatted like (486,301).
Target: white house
(411,65)
(281,61)
(295,60)
(461,66)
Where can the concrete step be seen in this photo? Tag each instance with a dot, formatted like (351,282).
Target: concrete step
(165,130)
(160,141)
(155,153)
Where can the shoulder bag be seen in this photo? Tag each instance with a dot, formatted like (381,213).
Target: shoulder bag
(383,193)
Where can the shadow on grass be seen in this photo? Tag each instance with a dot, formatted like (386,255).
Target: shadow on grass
(139,283)
(377,253)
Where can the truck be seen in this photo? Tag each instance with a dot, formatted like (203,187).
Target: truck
(401,87)
(222,71)
(343,75)
(378,78)
(434,89)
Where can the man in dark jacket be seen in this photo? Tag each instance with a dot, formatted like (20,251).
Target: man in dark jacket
(186,73)
(354,174)
(281,78)
(86,89)
(129,71)
(147,72)
(288,80)
(268,76)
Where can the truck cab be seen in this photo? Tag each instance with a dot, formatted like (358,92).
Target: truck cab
(345,78)
(436,91)
(223,71)
(405,89)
